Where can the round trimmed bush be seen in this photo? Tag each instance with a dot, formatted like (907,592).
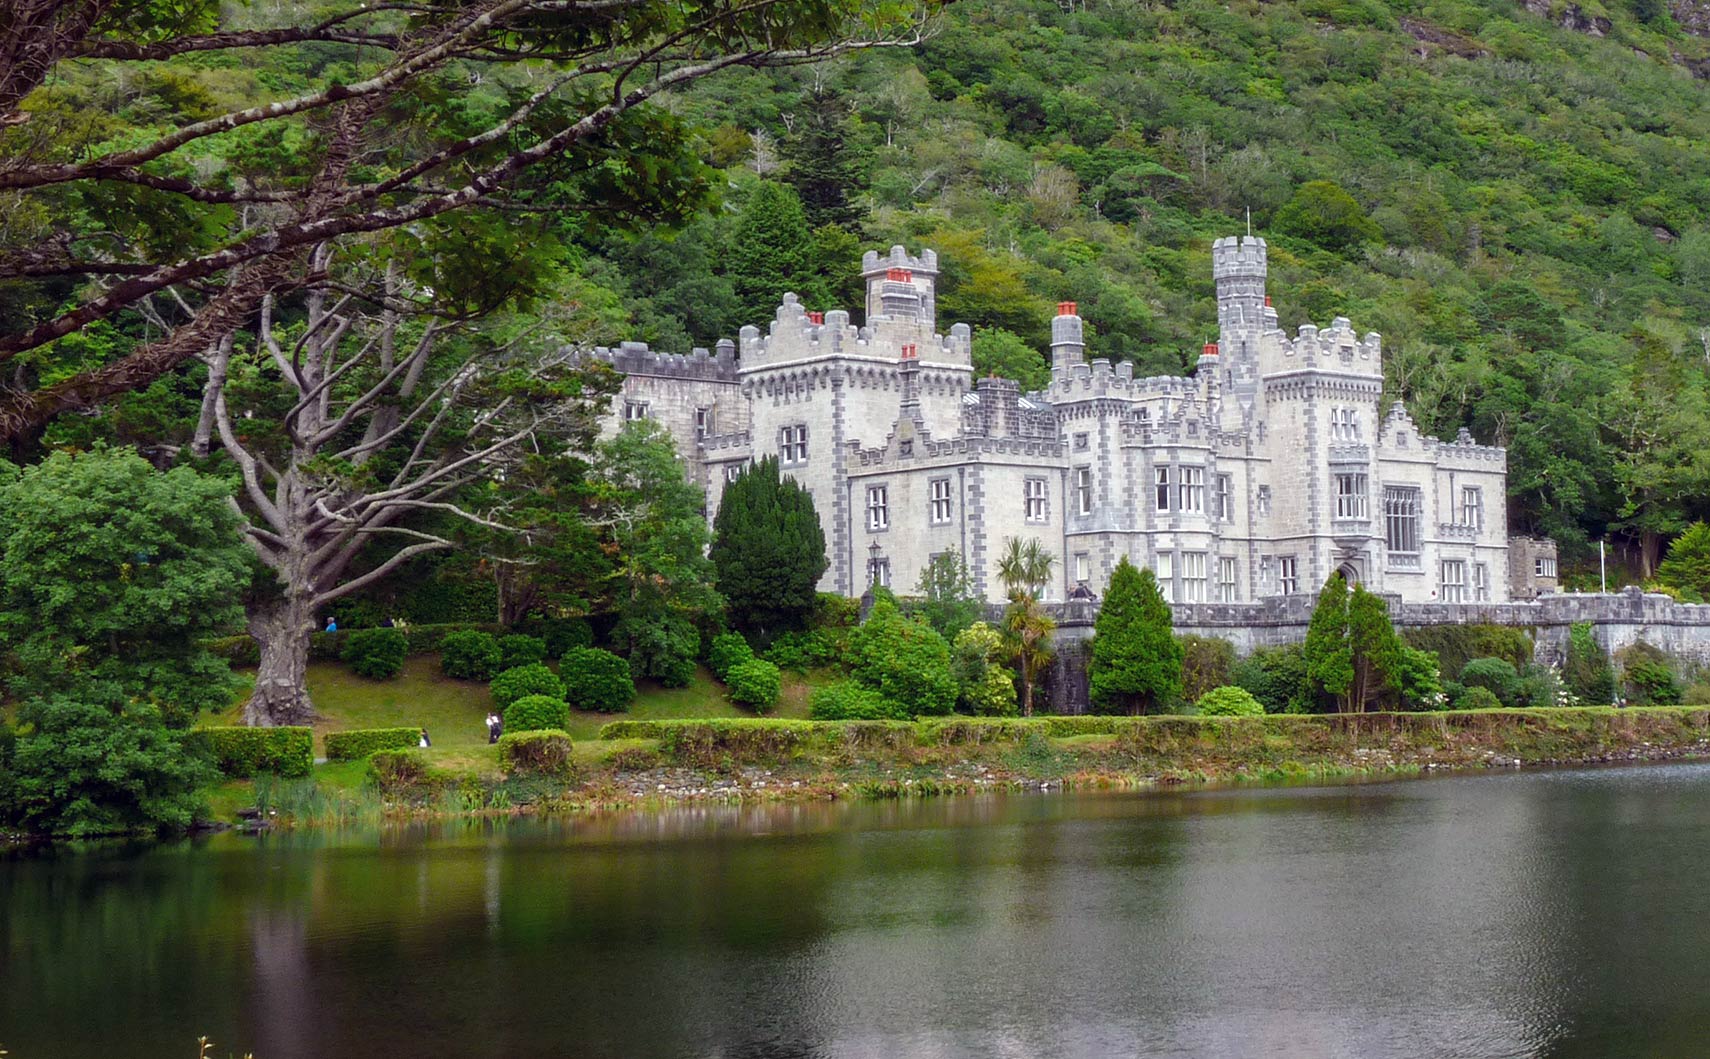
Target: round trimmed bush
(1477,698)
(534,713)
(470,655)
(849,701)
(377,654)
(543,751)
(536,679)
(520,650)
(1498,675)
(596,680)
(1229,701)
(728,649)
(755,683)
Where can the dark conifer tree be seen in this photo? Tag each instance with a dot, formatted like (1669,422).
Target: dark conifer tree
(1136,664)
(771,252)
(769,551)
(827,164)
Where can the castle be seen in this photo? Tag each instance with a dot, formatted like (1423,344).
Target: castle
(1270,468)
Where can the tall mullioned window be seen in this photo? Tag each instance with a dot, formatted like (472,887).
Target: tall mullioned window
(634,410)
(703,422)
(1165,569)
(1193,577)
(1351,496)
(1472,506)
(793,445)
(940,493)
(1192,489)
(1543,566)
(1401,522)
(1481,582)
(1288,574)
(1226,580)
(1036,495)
(1083,490)
(1224,507)
(878,507)
(1454,581)
(1161,476)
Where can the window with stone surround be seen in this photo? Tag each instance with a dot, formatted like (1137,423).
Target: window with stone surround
(1472,506)
(1036,499)
(1161,476)
(1453,587)
(793,445)
(940,507)
(634,410)
(1226,580)
(732,471)
(1543,566)
(1083,567)
(1481,583)
(878,508)
(1224,505)
(1288,574)
(1351,496)
(1193,577)
(1191,492)
(1165,569)
(1401,524)
(1344,425)
(703,422)
(879,572)
(1083,490)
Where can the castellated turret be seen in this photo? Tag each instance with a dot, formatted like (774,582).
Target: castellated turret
(900,286)
(1238,265)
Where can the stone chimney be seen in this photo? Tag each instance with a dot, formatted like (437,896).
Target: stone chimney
(1068,347)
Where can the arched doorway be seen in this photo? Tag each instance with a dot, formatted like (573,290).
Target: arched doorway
(1349,574)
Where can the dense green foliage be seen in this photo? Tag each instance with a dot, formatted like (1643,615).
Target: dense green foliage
(112,574)
(88,770)
(728,649)
(1228,702)
(1495,674)
(769,551)
(1207,662)
(904,660)
(543,751)
(596,680)
(1587,671)
(849,700)
(1686,568)
(470,654)
(984,687)
(803,651)
(534,713)
(1647,678)
(358,743)
(1329,661)
(756,684)
(535,679)
(1476,698)
(377,654)
(243,752)
(947,599)
(1456,645)
(520,649)
(1136,664)
(1278,678)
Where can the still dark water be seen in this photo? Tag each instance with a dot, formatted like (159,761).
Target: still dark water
(1546,914)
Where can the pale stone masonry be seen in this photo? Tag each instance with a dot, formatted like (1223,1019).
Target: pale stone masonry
(1271,467)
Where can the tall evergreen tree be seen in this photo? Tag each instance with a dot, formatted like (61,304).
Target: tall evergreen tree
(771,252)
(1329,665)
(1136,662)
(768,550)
(1374,651)
(1687,567)
(826,162)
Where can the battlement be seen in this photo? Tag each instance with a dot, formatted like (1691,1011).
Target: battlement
(1101,378)
(899,257)
(1333,347)
(732,443)
(796,334)
(635,358)
(1245,256)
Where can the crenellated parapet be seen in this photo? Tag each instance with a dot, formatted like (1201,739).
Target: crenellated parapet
(700,365)
(1335,349)
(796,334)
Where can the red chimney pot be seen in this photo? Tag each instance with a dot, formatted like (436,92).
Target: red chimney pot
(908,352)
(1065,308)
(1210,350)
(1267,301)
(816,318)
(900,275)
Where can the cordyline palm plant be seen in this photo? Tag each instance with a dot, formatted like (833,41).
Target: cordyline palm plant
(1025,569)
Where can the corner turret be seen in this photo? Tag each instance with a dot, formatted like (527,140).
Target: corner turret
(901,287)
(1239,267)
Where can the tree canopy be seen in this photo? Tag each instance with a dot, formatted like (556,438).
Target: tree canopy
(768,550)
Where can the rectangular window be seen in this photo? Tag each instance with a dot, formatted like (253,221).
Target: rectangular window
(1225,580)
(703,422)
(1288,574)
(1264,501)
(1350,496)
(1035,491)
(1401,520)
(793,445)
(634,410)
(1225,506)
(879,572)
(732,471)
(1162,477)
(1192,489)
(1165,568)
(1083,567)
(1472,506)
(878,508)
(1543,567)
(1083,490)
(1454,586)
(940,488)
(1193,577)
(1481,583)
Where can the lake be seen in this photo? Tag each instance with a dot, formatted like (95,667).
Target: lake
(1556,913)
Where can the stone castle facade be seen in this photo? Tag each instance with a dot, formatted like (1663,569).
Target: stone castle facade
(1274,465)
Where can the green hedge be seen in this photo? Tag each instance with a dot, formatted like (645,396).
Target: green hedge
(405,772)
(545,752)
(707,741)
(360,742)
(329,646)
(244,752)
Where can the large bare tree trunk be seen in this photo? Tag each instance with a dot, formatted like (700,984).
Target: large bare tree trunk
(281,629)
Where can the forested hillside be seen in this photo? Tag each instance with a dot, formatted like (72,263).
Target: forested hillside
(1516,195)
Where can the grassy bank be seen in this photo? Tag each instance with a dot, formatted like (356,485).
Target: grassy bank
(639,761)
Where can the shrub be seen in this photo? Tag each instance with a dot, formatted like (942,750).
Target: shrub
(1586,670)
(1277,677)
(86,770)
(1651,684)
(544,751)
(832,611)
(597,680)
(983,685)
(847,700)
(1208,662)
(536,713)
(756,684)
(1496,674)
(905,660)
(403,772)
(802,651)
(677,671)
(1698,694)
(245,752)
(1538,688)
(359,743)
(377,654)
(1417,679)
(1456,645)
(1477,697)
(561,634)
(520,649)
(1229,701)
(728,649)
(536,679)
(470,654)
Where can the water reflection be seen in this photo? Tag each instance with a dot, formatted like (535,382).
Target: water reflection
(1550,914)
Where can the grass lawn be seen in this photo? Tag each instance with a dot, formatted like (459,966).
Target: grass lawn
(454,711)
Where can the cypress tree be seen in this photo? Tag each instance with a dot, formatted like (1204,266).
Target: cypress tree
(773,251)
(825,168)
(768,550)
(1373,648)
(1136,664)
(1329,664)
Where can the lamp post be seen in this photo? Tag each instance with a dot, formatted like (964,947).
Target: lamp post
(874,557)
